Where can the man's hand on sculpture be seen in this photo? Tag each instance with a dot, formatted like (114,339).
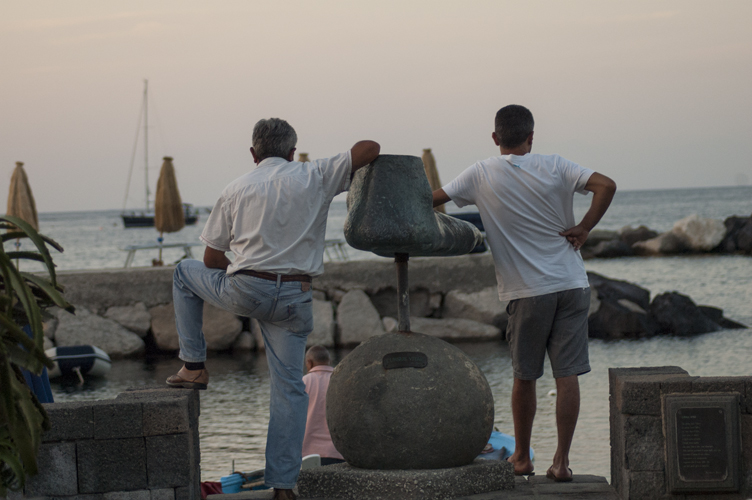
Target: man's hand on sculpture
(576,235)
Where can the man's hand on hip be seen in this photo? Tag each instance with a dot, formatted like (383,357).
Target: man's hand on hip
(215,259)
(576,235)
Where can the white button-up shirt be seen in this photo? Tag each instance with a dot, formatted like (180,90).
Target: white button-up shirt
(273,218)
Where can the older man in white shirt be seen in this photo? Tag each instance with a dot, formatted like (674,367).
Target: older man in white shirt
(273,221)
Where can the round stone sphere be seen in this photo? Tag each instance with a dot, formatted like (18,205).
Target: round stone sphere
(387,411)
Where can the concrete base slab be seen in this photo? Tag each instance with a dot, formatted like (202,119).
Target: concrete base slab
(342,481)
(583,487)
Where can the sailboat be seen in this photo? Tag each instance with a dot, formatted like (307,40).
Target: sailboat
(145,218)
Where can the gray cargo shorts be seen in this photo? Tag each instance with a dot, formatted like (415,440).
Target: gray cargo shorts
(556,323)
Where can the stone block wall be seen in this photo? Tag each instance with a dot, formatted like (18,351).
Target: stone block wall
(142,445)
(638,437)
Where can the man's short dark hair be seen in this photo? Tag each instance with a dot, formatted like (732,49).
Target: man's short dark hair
(319,355)
(273,137)
(514,123)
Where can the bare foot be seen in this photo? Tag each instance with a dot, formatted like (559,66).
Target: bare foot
(283,495)
(522,466)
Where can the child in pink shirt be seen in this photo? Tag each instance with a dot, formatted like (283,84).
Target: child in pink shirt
(317,438)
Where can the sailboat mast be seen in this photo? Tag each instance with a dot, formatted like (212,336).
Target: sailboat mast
(146,142)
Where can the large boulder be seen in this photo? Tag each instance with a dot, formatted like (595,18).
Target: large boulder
(598,236)
(163,327)
(744,238)
(614,290)
(449,329)
(483,306)
(220,327)
(620,319)
(679,315)
(664,244)
(595,302)
(618,309)
(357,318)
(408,401)
(609,250)
(700,234)
(323,324)
(421,304)
(630,235)
(733,225)
(716,314)
(135,318)
(85,328)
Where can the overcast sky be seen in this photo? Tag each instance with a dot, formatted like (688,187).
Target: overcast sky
(656,94)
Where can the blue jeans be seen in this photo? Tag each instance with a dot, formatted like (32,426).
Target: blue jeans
(285,314)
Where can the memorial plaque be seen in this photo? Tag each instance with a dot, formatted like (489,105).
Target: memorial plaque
(702,432)
(404,360)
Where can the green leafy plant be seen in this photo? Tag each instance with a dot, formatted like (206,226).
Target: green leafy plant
(23,298)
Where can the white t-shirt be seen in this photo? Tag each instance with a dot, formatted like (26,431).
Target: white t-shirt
(273,218)
(524,202)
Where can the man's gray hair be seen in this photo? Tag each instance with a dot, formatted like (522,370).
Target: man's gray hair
(273,137)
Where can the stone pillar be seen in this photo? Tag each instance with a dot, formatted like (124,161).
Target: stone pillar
(142,444)
(639,448)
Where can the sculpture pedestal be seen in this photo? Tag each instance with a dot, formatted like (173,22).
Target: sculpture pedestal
(344,481)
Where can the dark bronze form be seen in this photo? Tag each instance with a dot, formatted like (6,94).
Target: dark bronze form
(390,214)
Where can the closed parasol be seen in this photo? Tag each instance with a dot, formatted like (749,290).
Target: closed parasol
(429,164)
(21,202)
(168,207)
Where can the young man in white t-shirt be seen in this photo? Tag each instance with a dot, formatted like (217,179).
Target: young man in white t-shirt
(525,202)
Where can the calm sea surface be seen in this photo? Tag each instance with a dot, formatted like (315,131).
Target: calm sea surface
(234,411)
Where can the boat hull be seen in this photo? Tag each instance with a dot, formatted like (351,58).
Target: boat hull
(87,359)
(146,220)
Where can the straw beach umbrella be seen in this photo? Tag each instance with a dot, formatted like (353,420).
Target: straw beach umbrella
(429,164)
(168,207)
(303,157)
(21,202)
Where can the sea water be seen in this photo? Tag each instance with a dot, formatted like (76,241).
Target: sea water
(235,410)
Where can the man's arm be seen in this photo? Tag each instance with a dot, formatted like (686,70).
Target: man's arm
(363,153)
(603,190)
(215,259)
(440,197)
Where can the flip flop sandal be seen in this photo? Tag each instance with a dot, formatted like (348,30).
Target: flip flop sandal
(550,475)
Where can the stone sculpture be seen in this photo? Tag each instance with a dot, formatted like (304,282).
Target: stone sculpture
(389,212)
(406,400)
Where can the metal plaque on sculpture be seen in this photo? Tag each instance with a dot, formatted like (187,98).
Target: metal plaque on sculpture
(404,360)
(702,432)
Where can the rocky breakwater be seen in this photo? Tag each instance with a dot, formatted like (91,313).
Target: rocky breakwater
(129,311)
(619,310)
(693,234)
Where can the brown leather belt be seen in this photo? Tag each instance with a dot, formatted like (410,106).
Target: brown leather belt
(273,277)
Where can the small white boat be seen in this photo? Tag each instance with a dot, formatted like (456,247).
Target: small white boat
(79,359)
